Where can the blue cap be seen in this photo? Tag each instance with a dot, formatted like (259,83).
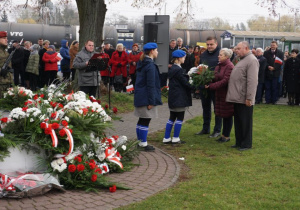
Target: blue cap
(178,54)
(150,46)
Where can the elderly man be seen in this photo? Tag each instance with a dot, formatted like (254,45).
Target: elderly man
(261,74)
(275,61)
(241,91)
(6,78)
(179,43)
(87,80)
(210,57)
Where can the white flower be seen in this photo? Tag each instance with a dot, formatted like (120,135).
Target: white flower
(192,71)
(123,147)
(67,119)
(182,158)
(31,120)
(17,113)
(49,110)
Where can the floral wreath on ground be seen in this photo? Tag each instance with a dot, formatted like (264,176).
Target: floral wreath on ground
(69,128)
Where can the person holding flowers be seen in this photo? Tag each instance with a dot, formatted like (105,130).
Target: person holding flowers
(147,95)
(179,97)
(220,86)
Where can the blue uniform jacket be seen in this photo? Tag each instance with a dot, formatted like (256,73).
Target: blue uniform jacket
(64,52)
(147,85)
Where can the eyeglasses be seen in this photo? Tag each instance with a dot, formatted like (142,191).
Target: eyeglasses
(210,44)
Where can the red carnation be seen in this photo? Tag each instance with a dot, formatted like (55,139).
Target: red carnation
(71,168)
(43,125)
(105,168)
(55,125)
(60,105)
(78,159)
(98,170)
(99,102)
(113,188)
(92,161)
(4,119)
(48,131)
(106,106)
(115,137)
(92,165)
(53,115)
(42,95)
(35,97)
(80,167)
(64,123)
(94,178)
(24,109)
(71,131)
(85,111)
(115,110)
(62,132)
(118,155)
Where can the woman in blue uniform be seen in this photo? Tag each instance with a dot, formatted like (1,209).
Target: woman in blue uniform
(179,97)
(147,94)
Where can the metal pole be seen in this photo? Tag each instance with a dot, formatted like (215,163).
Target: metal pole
(278,22)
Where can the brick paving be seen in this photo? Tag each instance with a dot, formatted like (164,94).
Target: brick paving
(155,171)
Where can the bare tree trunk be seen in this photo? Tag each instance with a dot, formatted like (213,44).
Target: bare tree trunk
(91,20)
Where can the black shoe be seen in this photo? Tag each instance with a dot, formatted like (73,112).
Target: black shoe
(214,135)
(235,146)
(223,140)
(202,132)
(219,139)
(147,148)
(244,148)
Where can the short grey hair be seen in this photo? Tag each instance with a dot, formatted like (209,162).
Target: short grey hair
(245,44)
(227,52)
(119,44)
(260,49)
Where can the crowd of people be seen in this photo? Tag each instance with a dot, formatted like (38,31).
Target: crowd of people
(242,77)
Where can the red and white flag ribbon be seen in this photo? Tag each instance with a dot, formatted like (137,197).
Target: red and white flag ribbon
(110,155)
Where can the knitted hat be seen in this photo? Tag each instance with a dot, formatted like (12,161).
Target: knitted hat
(178,54)
(150,46)
(52,47)
(135,44)
(3,34)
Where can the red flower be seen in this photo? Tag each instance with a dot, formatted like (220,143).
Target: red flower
(115,137)
(92,161)
(53,115)
(115,110)
(85,111)
(78,159)
(71,131)
(71,168)
(24,109)
(106,106)
(55,125)
(42,95)
(98,170)
(80,167)
(113,188)
(60,105)
(53,104)
(62,132)
(64,123)
(92,165)
(4,119)
(35,97)
(27,102)
(94,178)
(99,102)
(118,154)
(43,125)
(48,131)
(105,168)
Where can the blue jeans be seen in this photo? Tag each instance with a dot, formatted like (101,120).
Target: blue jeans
(271,86)
(206,106)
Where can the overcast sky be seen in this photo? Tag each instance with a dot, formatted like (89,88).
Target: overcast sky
(234,11)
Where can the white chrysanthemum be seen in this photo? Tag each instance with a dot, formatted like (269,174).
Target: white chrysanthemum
(192,71)
(123,147)
(46,102)
(79,95)
(67,119)
(31,120)
(121,141)
(17,113)
(49,110)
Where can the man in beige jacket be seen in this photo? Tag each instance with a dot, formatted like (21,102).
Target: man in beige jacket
(241,91)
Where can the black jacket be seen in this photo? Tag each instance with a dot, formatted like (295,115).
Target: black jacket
(291,75)
(179,88)
(188,63)
(17,58)
(262,68)
(271,62)
(210,58)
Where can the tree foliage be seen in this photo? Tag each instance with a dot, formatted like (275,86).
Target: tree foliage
(273,5)
(4,17)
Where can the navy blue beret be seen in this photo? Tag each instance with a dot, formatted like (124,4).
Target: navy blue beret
(150,46)
(178,54)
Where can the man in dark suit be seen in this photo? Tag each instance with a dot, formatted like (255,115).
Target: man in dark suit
(261,75)
(274,66)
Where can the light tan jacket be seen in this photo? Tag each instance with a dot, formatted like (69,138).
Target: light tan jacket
(243,80)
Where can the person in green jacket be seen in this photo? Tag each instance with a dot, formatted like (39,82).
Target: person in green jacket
(32,67)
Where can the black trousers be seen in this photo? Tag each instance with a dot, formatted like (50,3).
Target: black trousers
(90,90)
(243,123)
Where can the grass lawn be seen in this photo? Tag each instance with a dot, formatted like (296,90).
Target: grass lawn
(216,176)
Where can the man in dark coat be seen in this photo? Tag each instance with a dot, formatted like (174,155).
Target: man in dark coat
(210,57)
(275,60)
(164,75)
(261,75)
(17,62)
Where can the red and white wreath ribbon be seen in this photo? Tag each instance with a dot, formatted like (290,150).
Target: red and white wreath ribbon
(53,135)
(71,141)
(110,155)
(8,183)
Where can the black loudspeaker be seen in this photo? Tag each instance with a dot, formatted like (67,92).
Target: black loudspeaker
(151,32)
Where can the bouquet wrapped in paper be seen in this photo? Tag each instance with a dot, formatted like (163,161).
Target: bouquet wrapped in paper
(200,76)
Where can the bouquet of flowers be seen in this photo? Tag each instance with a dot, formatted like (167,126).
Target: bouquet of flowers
(200,76)
(165,91)
(69,128)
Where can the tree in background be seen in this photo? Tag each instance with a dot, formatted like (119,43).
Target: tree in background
(273,5)
(4,17)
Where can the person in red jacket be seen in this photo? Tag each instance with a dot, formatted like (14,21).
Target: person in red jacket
(50,59)
(104,73)
(134,57)
(118,61)
(220,85)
